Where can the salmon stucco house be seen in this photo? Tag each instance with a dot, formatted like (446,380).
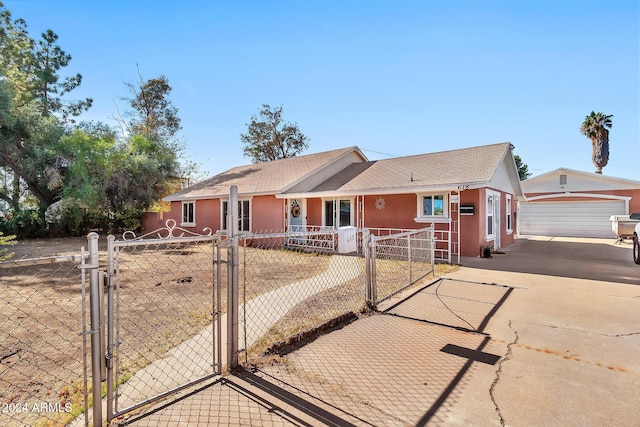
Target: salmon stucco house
(467,195)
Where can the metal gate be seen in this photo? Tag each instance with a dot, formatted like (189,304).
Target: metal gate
(161,301)
(397,261)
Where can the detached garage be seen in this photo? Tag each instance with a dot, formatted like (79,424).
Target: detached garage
(575,204)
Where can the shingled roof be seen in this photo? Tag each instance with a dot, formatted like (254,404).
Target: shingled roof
(261,178)
(475,165)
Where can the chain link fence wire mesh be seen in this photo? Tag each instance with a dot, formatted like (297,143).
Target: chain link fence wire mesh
(42,326)
(288,292)
(164,309)
(165,306)
(401,260)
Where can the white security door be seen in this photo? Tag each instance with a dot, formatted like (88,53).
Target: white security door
(496,220)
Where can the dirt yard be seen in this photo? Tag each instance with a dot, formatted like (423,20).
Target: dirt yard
(165,296)
(48,247)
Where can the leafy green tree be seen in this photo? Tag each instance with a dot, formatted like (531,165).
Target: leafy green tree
(16,56)
(596,127)
(110,183)
(33,69)
(33,113)
(28,147)
(270,137)
(49,88)
(103,179)
(153,115)
(523,169)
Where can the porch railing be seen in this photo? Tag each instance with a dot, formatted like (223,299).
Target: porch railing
(318,238)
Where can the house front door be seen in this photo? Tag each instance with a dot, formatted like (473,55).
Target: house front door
(296,215)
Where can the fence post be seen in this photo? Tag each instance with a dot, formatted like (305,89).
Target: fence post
(110,327)
(433,250)
(97,358)
(232,280)
(409,258)
(370,269)
(367,266)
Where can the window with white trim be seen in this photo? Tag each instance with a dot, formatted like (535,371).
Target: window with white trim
(337,213)
(188,214)
(244,215)
(490,201)
(433,206)
(508,215)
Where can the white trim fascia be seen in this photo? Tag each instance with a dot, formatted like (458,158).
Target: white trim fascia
(516,177)
(386,191)
(570,194)
(220,196)
(559,171)
(432,219)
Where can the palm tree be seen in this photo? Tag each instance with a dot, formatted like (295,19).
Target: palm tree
(595,127)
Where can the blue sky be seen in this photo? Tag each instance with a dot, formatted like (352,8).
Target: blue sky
(392,77)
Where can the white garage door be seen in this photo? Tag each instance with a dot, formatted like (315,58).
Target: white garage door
(570,219)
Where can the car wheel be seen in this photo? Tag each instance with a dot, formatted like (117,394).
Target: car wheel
(636,249)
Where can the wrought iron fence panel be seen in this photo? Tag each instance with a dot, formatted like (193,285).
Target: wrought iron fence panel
(42,330)
(289,291)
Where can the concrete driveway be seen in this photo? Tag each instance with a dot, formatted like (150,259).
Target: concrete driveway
(572,334)
(580,258)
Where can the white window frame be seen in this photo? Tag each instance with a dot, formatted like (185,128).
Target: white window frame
(421,217)
(508,215)
(490,199)
(191,223)
(223,214)
(336,211)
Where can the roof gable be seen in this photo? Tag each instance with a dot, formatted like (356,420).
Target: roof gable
(575,181)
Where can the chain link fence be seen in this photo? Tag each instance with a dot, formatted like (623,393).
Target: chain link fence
(42,347)
(288,292)
(400,260)
(291,291)
(165,300)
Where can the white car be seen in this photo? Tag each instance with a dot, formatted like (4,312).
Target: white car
(636,244)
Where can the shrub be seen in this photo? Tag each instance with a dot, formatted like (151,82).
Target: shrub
(27,223)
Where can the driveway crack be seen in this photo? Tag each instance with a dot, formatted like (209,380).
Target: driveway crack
(625,335)
(508,355)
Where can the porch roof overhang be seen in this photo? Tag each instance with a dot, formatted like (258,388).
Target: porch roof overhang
(222,196)
(385,191)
